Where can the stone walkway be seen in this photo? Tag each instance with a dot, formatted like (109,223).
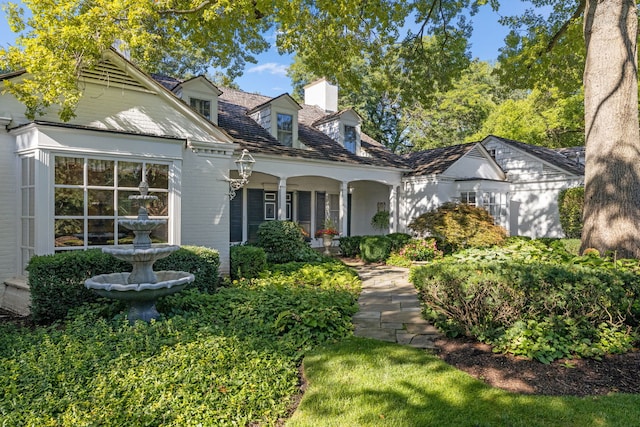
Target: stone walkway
(390,309)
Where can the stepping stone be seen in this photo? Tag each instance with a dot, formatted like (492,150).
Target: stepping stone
(422,341)
(378,334)
(422,329)
(367,315)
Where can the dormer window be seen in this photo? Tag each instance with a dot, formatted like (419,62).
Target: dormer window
(285,129)
(350,138)
(202,106)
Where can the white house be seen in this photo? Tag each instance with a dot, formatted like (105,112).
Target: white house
(65,185)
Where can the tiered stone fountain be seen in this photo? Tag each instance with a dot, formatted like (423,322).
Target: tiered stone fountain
(142,287)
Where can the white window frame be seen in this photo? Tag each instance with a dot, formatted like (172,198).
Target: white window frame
(201,106)
(283,132)
(86,187)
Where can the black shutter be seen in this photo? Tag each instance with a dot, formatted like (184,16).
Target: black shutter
(255,212)
(235,222)
(320,210)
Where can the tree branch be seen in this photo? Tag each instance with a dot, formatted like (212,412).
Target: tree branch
(198,8)
(565,26)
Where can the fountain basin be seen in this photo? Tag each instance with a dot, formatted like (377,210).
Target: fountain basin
(140,296)
(142,260)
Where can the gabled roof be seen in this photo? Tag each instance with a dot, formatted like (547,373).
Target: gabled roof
(284,97)
(438,160)
(545,154)
(336,116)
(205,81)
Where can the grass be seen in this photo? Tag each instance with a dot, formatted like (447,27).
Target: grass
(361,382)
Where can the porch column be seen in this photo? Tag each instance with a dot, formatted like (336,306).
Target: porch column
(344,203)
(282,198)
(394,197)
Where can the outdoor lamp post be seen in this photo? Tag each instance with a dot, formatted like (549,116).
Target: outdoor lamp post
(245,166)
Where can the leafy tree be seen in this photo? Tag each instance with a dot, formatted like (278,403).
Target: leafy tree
(456,114)
(543,118)
(385,93)
(551,51)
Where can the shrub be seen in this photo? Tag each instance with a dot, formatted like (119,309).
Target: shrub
(57,281)
(398,240)
(375,248)
(283,241)
(247,261)
(350,246)
(459,225)
(398,260)
(539,310)
(420,250)
(203,263)
(570,204)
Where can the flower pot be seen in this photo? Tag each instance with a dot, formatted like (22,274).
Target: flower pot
(327,241)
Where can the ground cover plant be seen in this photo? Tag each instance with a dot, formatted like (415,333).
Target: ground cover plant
(362,382)
(224,358)
(535,299)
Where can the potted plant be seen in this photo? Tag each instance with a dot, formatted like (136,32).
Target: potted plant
(380,220)
(327,233)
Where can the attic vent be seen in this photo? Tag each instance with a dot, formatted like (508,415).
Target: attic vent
(475,153)
(548,170)
(111,75)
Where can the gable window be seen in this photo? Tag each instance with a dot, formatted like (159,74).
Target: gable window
(350,138)
(202,106)
(285,129)
(92,194)
(468,197)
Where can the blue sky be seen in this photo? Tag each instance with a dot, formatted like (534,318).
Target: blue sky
(269,75)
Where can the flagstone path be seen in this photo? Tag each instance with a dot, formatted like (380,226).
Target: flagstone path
(389,309)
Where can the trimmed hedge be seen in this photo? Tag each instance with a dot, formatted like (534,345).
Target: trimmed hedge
(375,248)
(541,310)
(57,281)
(350,246)
(247,262)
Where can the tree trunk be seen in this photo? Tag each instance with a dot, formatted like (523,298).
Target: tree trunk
(612,172)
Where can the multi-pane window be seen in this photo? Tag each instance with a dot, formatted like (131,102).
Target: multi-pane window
(494,203)
(468,197)
(27,215)
(334,209)
(202,106)
(92,194)
(285,129)
(350,138)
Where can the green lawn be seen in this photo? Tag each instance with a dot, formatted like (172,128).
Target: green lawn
(361,382)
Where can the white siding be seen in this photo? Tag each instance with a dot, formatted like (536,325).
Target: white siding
(205,204)
(8,207)
(364,204)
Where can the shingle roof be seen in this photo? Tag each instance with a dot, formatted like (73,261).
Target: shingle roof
(546,154)
(437,160)
(233,106)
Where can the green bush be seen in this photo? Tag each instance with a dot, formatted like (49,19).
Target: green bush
(459,225)
(375,248)
(398,240)
(350,246)
(570,204)
(57,281)
(283,241)
(203,263)
(247,261)
(537,309)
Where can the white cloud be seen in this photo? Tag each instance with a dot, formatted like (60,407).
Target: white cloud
(271,68)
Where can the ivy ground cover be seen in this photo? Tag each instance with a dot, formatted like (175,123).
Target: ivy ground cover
(226,358)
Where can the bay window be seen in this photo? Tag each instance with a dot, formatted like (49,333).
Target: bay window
(91,194)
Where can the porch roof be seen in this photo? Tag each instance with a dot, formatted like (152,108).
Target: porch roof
(437,160)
